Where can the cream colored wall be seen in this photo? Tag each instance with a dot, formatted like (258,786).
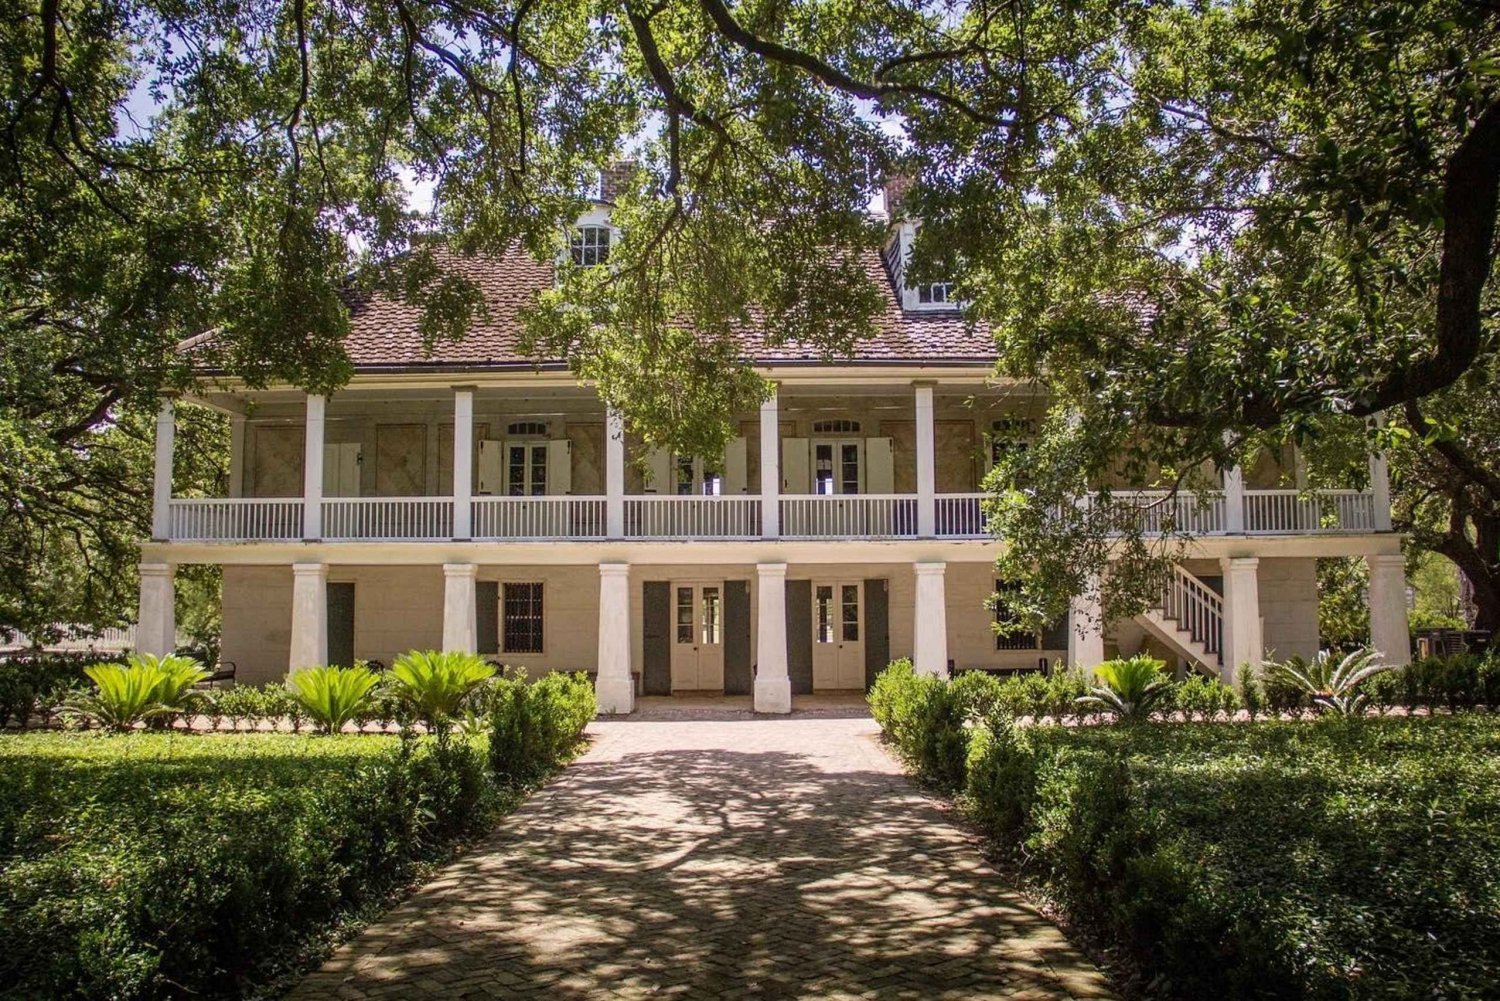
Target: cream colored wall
(396,609)
(971,636)
(675,574)
(1289,606)
(570,616)
(257,630)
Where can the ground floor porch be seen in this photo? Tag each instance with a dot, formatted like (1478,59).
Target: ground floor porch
(762,628)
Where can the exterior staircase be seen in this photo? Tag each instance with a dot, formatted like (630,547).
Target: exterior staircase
(1190,620)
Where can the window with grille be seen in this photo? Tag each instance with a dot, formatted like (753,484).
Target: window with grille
(521,621)
(590,245)
(1003,616)
(1010,436)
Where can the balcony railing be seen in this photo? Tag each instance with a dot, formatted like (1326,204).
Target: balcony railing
(849,516)
(673,518)
(388,518)
(692,517)
(235,519)
(541,519)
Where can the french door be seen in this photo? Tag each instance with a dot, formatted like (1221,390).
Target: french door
(698,636)
(836,466)
(838,658)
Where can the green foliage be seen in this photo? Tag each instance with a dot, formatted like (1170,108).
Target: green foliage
(436,684)
(1333,685)
(925,719)
(30,681)
(1343,608)
(535,726)
(1130,688)
(169,865)
(333,696)
(144,688)
(1275,859)
(1205,699)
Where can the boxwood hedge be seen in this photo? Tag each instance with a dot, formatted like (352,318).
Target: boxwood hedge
(1277,859)
(162,864)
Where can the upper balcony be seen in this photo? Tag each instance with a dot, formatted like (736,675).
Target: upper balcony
(824,463)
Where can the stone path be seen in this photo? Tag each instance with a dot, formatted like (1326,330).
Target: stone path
(717,858)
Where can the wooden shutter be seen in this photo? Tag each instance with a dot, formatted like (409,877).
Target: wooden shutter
(487,616)
(795,475)
(880,470)
(658,471)
(735,480)
(341,470)
(491,468)
(559,467)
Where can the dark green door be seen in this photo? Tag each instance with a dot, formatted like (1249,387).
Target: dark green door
(877,628)
(341,624)
(737,637)
(799,635)
(656,637)
(487,616)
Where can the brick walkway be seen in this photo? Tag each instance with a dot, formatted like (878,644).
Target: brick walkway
(717,858)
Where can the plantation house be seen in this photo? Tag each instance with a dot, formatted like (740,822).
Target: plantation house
(842,527)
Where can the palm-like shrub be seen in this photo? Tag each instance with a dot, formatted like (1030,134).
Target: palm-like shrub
(1334,685)
(1128,688)
(436,684)
(332,696)
(143,688)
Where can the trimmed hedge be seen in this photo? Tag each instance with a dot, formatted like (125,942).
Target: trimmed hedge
(1328,859)
(535,726)
(161,864)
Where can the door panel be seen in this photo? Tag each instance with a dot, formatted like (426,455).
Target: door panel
(838,635)
(795,477)
(657,634)
(697,637)
(487,616)
(341,624)
(799,635)
(880,472)
(400,460)
(877,628)
(277,470)
(737,637)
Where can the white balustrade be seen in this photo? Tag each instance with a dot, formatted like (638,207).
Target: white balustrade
(545,518)
(388,518)
(692,517)
(1269,512)
(1161,511)
(961,516)
(234,519)
(849,516)
(1196,609)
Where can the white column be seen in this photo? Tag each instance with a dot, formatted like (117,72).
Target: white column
(614,687)
(312,469)
(309,616)
(460,631)
(614,474)
(1086,631)
(161,493)
(1389,632)
(237,455)
(1380,488)
(1234,500)
(1243,640)
(463,464)
(770,475)
(926,464)
(930,630)
(156,621)
(773,683)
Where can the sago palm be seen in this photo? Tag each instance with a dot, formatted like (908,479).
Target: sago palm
(1128,688)
(436,683)
(143,688)
(332,696)
(1334,686)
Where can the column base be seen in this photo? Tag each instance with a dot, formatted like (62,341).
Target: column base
(773,695)
(616,696)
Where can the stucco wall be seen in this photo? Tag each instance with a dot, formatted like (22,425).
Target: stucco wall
(1289,606)
(257,613)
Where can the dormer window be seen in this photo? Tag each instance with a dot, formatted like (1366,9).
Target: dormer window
(935,293)
(590,245)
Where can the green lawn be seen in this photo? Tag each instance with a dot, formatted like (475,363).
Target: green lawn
(1268,860)
(162,864)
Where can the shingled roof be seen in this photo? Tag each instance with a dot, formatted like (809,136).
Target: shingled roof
(385,333)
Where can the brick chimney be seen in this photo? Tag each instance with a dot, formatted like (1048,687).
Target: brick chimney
(896,187)
(614,179)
